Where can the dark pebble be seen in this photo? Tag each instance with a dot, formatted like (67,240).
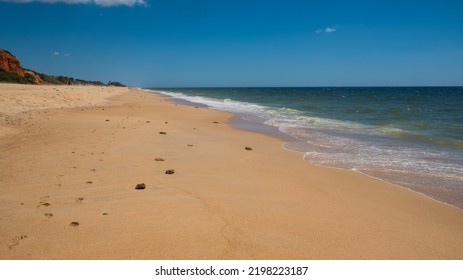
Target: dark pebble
(159,159)
(170,171)
(162,132)
(141,186)
(248,149)
(74,224)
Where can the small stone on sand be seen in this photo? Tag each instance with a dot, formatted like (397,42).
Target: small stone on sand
(74,224)
(159,159)
(162,132)
(170,171)
(141,186)
(248,149)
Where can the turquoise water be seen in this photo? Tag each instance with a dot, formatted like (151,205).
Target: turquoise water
(410,136)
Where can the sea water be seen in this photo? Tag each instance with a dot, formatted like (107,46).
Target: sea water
(409,136)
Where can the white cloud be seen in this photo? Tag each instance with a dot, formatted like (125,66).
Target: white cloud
(326,30)
(330,29)
(104,3)
(108,3)
(57,53)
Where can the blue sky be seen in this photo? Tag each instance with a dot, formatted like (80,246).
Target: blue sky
(176,43)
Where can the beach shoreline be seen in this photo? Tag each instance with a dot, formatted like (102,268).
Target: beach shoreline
(246,123)
(69,174)
(405,149)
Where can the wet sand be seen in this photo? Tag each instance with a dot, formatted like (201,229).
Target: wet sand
(71,158)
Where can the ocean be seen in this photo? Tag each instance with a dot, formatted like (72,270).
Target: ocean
(408,136)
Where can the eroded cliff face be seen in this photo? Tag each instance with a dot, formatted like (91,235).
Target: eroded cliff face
(10,63)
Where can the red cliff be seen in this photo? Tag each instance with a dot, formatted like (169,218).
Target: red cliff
(10,63)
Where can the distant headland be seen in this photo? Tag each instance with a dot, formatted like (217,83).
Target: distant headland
(11,71)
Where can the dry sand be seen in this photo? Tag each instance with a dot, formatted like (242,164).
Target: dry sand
(68,175)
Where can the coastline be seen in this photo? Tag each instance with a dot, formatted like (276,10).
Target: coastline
(386,148)
(253,124)
(222,202)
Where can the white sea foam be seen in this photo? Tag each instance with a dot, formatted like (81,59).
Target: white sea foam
(220,104)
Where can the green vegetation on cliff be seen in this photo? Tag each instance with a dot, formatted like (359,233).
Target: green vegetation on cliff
(10,77)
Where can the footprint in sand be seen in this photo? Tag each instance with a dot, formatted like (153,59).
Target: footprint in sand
(74,224)
(15,241)
(48,215)
(43,201)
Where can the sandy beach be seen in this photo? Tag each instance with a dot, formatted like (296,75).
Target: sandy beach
(71,157)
